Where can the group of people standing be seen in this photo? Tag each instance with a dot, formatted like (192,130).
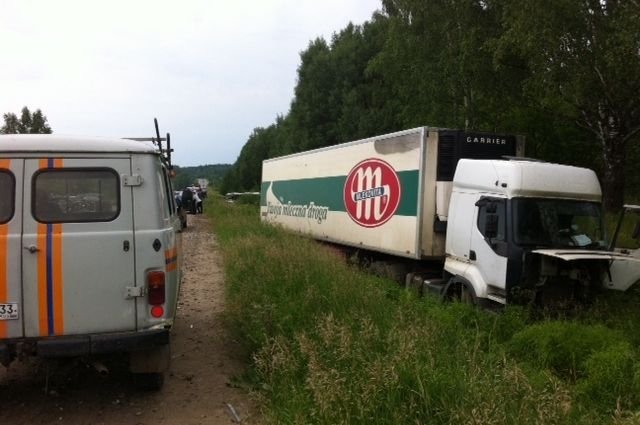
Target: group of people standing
(191,199)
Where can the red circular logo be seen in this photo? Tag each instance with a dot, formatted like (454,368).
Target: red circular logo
(371,192)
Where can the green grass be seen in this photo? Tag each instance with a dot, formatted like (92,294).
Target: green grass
(328,344)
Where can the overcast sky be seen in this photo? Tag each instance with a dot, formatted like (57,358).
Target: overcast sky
(209,70)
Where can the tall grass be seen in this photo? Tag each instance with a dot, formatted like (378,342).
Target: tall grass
(329,344)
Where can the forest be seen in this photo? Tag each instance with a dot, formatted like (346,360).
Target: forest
(563,73)
(188,176)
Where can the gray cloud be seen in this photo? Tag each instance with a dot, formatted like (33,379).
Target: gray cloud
(211,71)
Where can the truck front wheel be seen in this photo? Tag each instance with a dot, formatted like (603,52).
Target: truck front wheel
(458,289)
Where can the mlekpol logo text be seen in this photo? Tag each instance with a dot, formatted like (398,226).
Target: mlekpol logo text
(372,192)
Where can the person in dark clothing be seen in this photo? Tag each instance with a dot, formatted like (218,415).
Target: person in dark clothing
(187,200)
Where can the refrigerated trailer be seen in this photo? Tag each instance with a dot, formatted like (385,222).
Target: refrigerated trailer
(500,225)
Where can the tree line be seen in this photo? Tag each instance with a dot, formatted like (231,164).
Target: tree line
(28,123)
(565,73)
(188,176)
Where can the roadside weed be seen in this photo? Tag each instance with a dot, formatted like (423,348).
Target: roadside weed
(329,344)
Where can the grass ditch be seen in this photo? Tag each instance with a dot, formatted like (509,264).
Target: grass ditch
(329,344)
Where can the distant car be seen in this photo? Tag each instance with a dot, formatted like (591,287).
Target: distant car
(232,196)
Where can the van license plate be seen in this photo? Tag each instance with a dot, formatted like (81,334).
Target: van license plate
(9,311)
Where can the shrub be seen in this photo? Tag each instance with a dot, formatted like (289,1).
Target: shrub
(563,347)
(612,378)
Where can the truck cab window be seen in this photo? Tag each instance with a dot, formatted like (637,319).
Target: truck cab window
(558,223)
(7,196)
(492,218)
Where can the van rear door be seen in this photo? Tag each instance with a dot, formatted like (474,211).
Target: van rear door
(78,256)
(11,311)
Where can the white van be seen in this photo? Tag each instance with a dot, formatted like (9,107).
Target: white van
(90,250)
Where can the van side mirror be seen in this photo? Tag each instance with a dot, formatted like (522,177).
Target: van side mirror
(491,226)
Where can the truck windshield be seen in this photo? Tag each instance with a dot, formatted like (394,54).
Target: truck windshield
(558,223)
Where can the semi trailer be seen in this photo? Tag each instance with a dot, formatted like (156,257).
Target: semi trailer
(499,227)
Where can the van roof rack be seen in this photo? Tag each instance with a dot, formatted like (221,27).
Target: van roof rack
(165,154)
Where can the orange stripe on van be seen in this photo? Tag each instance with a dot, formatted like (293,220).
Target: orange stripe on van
(42,278)
(4,284)
(5,164)
(58,293)
(171,259)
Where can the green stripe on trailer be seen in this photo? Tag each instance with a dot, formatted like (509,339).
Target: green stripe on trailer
(328,192)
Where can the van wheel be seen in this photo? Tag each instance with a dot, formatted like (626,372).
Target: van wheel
(149,381)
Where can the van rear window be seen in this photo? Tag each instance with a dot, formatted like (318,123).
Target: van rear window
(7,196)
(76,195)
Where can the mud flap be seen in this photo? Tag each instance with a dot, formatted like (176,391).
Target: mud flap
(153,360)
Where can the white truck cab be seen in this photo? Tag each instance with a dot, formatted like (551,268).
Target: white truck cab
(523,227)
(90,250)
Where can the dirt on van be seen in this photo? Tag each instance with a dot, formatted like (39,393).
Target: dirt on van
(200,388)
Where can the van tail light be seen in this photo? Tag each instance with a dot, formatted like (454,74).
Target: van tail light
(155,288)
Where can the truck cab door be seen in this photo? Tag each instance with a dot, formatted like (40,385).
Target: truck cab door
(78,256)
(488,253)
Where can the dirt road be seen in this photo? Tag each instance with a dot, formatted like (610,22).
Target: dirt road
(198,389)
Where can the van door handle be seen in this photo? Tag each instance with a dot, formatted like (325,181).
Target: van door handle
(32,249)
